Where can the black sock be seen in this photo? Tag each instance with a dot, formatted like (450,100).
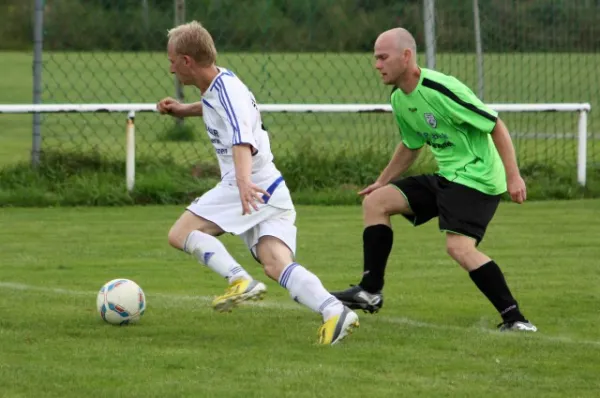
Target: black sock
(377,245)
(490,280)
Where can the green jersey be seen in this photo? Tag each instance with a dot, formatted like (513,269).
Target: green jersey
(444,113)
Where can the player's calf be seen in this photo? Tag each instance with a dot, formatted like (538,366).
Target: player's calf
(273,255)
(195,235)
(488,278)
(187,223)
(378,238)
(212,253)
(306,288)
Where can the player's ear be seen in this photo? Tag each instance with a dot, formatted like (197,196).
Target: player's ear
(187,60)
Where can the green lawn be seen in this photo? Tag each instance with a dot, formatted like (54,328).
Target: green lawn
(434,337)
(285,78)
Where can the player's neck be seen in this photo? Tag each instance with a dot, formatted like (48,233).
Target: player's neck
(409,80)
(204,77)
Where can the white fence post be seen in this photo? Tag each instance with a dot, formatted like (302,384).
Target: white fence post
(478,49)
(582,147)
(38,42)
(130,152)
(429,25)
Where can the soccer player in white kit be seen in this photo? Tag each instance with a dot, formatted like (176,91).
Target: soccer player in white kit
(252,200)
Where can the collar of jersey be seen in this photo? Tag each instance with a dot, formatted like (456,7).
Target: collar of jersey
(221,72)
(414,92)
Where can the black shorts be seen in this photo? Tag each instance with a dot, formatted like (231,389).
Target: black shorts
(461,209)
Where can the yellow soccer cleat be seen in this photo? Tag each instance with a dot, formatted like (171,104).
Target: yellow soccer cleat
(337,327)
(240,290)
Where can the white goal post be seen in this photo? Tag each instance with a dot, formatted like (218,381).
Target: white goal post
(133,108)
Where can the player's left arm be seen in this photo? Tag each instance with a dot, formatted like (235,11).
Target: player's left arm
(465,108)
(505,147)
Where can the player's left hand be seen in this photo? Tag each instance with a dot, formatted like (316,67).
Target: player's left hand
(250,195)
(517,189)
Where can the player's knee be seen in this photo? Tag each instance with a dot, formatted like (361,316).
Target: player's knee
(460,249)
(374,203)
(174,238)
(385,201)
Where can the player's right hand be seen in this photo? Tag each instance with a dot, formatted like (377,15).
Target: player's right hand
(250,195)
(371,188)
(171,107)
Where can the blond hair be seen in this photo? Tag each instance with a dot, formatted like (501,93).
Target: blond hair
(194,40)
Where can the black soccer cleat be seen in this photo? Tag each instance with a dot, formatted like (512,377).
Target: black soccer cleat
(357,298)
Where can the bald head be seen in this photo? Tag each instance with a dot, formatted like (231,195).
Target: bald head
(395,55)
(398,38)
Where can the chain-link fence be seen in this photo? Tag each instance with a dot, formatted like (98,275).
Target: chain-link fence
(319,51)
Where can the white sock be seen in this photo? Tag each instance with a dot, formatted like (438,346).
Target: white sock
(306,288)
(211,252)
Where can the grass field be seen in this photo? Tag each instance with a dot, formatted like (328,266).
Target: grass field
(434,337)
(436,334)
(286,78)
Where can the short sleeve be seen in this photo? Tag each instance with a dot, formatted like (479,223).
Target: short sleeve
(237,111)
(463,106)
(410,138)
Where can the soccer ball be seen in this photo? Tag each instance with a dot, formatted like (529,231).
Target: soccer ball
(121,301)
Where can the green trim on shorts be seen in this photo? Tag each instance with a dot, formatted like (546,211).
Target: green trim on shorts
(458,233)
(414,221)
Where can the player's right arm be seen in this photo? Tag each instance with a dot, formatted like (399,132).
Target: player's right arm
(401,160)
(175,108)
(404,156)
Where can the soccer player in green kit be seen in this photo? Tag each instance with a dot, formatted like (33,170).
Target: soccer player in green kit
(476,165)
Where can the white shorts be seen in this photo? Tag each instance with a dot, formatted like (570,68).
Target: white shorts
(222,206)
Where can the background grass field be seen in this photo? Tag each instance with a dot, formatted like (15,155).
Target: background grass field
(286,78)
(435,336)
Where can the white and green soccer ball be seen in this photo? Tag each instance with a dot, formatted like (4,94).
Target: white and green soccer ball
(121,302)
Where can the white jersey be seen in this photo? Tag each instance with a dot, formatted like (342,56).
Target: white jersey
(231,117)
